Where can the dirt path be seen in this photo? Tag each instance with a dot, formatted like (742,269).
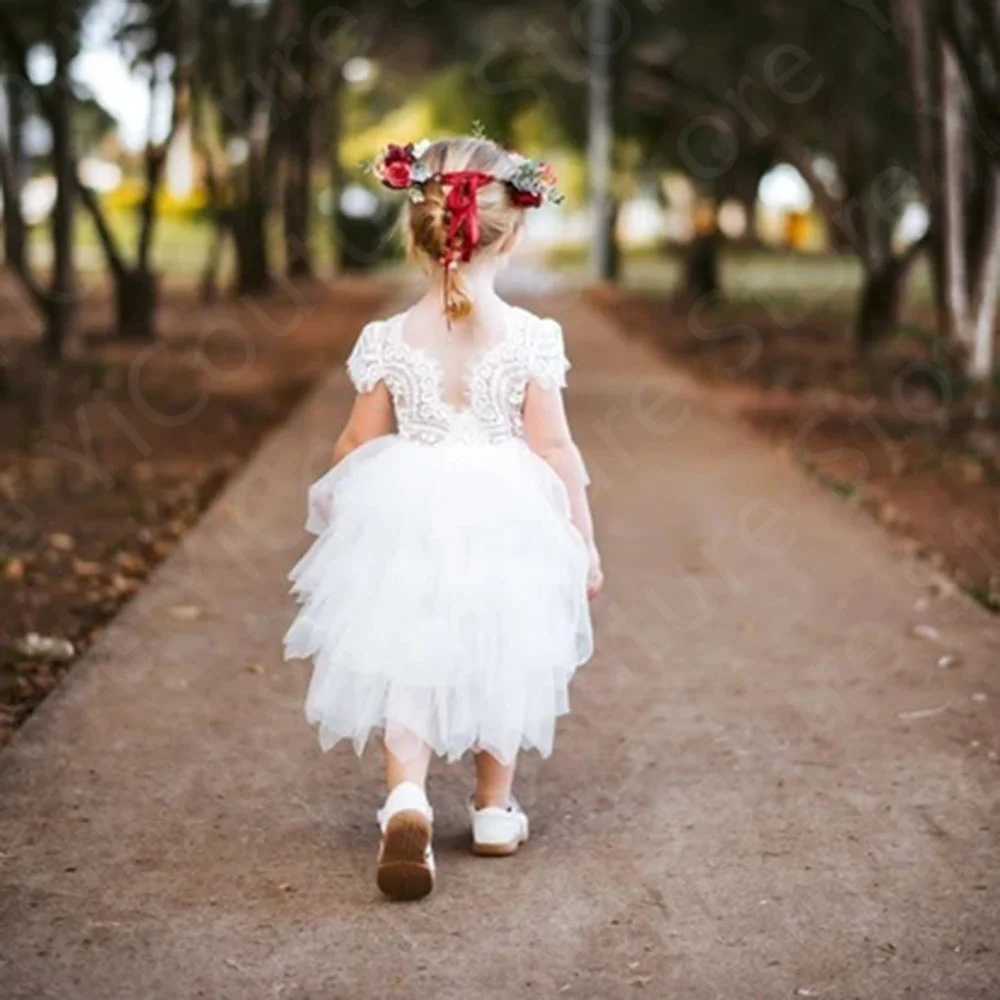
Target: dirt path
(768,787)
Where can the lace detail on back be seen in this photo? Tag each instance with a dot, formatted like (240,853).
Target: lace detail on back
(497,377)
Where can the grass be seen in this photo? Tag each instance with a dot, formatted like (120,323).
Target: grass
(753,277)
(181,243)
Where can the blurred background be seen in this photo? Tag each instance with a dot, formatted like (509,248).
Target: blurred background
(151,140)
(797,199)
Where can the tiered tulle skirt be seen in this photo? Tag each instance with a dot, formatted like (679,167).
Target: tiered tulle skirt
(444,599)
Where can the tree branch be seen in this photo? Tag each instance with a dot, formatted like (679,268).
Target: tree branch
(665,74)
(984,102)
(989,27)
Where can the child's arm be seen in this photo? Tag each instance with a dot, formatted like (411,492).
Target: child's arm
(547,433)
(371,416)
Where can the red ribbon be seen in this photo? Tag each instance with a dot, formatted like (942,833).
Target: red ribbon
(463,216)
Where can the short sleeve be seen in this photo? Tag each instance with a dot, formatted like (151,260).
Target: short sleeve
(548,363)
(365,366)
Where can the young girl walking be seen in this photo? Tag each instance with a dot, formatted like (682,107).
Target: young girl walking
(444,602)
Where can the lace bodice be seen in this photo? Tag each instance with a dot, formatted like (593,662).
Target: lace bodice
(496,379)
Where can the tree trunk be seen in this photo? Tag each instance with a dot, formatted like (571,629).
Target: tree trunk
(701,268)
(610,249)
(136,288)
(970,202)
(910,22)
(987,286)
(15,172)
(298,198)
(155,164)
(336,169)
(253,274)
(299,157)
(601,128)
(60,304)
(136,300)
(880,301)
(956,273)
(208,287)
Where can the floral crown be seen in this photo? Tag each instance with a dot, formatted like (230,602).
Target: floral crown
(529,184)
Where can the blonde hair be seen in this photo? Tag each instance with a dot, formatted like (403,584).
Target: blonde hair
(425,222)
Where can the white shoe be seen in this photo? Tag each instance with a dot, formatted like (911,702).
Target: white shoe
(497,832)
(406,858)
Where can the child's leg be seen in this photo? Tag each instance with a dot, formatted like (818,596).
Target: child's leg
(493,781)
(408,760)
(499,825)
(406,859)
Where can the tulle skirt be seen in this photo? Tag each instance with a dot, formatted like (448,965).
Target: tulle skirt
(444,598)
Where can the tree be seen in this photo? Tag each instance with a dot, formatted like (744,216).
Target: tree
(969,202)
(747,81)
(60,24)
(160,38)
(604,263)
(158,30)
(14,169)
(952,56)
(300,129)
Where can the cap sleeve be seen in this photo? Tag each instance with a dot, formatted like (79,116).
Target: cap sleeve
(548,362)
(365,366)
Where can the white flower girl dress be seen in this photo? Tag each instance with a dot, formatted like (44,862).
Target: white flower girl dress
(445,595)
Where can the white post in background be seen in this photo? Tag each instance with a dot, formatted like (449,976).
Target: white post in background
(600,140)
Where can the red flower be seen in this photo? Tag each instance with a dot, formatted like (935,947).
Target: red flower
(525,199)
(397,173)
(399,154)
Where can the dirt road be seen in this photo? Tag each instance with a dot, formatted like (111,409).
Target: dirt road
(768,788)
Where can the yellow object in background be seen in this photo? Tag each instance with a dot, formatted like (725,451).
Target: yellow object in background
(705,222)
(802,231)
(129,196)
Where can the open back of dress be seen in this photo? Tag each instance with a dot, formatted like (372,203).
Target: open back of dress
(447,390)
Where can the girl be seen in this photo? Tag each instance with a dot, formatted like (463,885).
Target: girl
(445,599)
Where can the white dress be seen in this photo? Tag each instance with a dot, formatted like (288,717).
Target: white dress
(445,595)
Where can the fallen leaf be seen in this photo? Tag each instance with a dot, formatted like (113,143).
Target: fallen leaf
(921,713)
(186,612)
(949,660)
(14,570)
(928,632)
(122,584)
(62,542)
(83,567)
(944,587)
(256,668)
(979,697)
(130,562)
(45,647)
(888,513)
